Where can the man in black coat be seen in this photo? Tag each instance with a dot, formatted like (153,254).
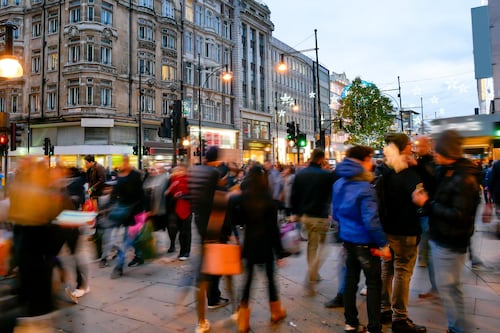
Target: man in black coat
(451,213)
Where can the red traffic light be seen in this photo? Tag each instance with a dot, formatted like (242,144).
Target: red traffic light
(4,139)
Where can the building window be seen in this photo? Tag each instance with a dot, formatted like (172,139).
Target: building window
(53,61)
(167,72)
(74,15)
(146,3)
(90,52)
(226,32)
(189,73)
(146,66)
(74,54)
(53,25)
(14,100)
(189,11)
(51,99)
(198,15)
(168,40)
(106,96)
(90,95)
(36,29)
(73,92)
(107,14)
(35,101)
(148,101)
(2,104)
(35,64)
(145,33)
(90,13)
(5,3)
(188,42)
(105,55)
(209,19)
(167,9)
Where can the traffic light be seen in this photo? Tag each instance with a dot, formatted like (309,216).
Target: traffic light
(320,143)
(203,147)
(290,130)
(4,141)
(146,150)
(16,133)
(301,140)
(183,128)
(135,150)
(165,129)
(46,146)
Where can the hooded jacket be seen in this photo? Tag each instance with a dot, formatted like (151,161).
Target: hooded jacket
(354,206)
(452,211)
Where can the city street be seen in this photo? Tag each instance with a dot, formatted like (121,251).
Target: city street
(149,298)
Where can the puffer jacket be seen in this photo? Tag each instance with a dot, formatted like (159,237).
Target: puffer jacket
(354,206)
(452,211)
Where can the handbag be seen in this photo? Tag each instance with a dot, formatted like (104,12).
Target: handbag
(145,241)
(221,259)
(290,238)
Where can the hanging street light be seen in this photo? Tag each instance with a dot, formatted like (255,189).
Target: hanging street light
(9,64)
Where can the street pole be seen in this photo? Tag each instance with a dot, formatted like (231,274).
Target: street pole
(199,106)
(139,137)
(318,94)
(400,107)
(276,115)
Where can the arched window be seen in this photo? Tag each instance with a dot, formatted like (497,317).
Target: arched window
(167,9)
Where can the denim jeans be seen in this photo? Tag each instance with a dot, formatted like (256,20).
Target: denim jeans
(316,228)
(396,275)
(449,284)
(359,258)
(424,252)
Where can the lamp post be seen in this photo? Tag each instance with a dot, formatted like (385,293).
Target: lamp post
(9,64)
(139,136)
(227,76)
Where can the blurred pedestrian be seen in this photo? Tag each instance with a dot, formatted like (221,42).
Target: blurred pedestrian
(354,206)
(256,210)
(451,212)
(311,198)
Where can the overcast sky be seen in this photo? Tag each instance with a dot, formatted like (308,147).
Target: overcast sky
(427,43)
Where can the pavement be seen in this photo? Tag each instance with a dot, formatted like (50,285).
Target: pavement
(156,297)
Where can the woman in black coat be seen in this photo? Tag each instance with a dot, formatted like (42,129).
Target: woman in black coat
(256,210)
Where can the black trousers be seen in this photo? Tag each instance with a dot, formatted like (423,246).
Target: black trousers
(182,227)
(271,284)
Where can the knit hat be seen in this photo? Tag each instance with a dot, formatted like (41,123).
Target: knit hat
(212,154)
(399,139)
(449,144)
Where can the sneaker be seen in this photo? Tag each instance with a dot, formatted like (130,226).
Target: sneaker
(80,292)
(171,249)
(116,273)
(220,303)
(407,326)
(431,294)
(386,317)
(137,261)
(354,329)
(184,257)
(203,327)
(336,302)
(103,263)
(363,291)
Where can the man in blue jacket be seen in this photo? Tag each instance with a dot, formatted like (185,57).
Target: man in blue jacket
(354,206)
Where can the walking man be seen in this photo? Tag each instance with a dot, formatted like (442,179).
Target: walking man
(311,198)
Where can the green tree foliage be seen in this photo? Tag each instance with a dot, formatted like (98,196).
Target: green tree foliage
(366,114)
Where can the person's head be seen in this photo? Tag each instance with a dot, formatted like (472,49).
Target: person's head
(89,161)
(268,165)
(212,154)
(363,155)
(256,180)
(448,147)
(318,156)
(422,145)
(401,141)
(125,164)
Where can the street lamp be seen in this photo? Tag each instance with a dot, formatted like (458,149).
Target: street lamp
(282,67)
(226,76)
(9,64)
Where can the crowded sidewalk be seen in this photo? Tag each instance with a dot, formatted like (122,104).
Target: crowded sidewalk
(159,296)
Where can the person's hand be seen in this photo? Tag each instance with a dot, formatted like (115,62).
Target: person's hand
(281,262)
(383,252)
(419,196)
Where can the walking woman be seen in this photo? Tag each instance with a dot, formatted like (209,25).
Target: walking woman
(257,211)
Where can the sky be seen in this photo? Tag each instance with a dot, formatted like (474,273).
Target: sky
(428,44)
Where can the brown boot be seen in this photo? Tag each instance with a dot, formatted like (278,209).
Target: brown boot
(243,319)
(277,312)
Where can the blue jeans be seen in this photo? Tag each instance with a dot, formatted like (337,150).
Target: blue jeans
(448,279)
(396,275)
(359,258)
(425,252)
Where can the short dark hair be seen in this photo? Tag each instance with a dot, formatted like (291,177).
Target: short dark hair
(89,158)
(359,152)
(317,155)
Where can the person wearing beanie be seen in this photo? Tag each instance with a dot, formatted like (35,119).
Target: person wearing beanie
(451,212)
(400,220)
